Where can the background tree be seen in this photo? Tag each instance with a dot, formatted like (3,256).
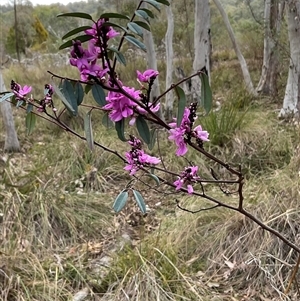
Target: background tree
(41,32)
(151,59)
(11,139)
(16,30)
(202,45)
(292,93)
(169,62)
(272,23)
(25,30)
(243,63)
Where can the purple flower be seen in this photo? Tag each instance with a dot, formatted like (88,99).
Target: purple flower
(120,105)
(47,100)
(20,92)
(148,75)
(187,177)
(107,30)
(177,135)
(93,52)
(203,135)
(89,71)
(143,111)
(184,133)
(86,61)
(137,158)
(77,50)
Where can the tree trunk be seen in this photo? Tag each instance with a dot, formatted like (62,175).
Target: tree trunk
(290,101)
(244,67)
(169,63)
(11,140)
(151,61)
(202,45)
(16,31)
(273,16)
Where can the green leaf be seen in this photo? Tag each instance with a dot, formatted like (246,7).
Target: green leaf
(140,201)
(206,94)
(142,14)
(181,104)
(119,55)
(87,89)
(63,98)
(76,30)
(120,201)
(136,42)
(106,121)
(30,122)
(165,2)
(69,43)
(155,4)
(78,93)
(143,129)
(115,25)
(88,130)
(143,24)
(135,28)
(148,12)
(6,96)
(120,126)
(69,93)
(99,95)
(13,100)
(154,177)
(29,108)
(153,135)
(76,15)
(20,103)
(113,16)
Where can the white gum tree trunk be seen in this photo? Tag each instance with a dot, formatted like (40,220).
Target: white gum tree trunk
(11,139)
(202,45)
(152,64)
(273,14)
(242,61)
(291,97)
(169,62)
(151,59)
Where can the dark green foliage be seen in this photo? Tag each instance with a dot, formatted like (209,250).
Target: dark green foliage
(143,129)
(120,126)
(99,95)
(140,201)
(88,130)
(136,42)
(181,104)
(206,94)
(120,201)
(30,122)
(75,30)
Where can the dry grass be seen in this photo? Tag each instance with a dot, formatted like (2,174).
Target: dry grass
(59,238)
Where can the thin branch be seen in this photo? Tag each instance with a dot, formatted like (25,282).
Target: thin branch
(293,277)
(196,211)
(175,85)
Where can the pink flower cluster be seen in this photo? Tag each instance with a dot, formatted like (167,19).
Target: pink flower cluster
(187,177)
(47,101)
(184,132)
(137,158)
(123,106)
(20,92)
(148,75)
(86,59)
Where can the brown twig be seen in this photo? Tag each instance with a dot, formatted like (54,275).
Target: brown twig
(293,277)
